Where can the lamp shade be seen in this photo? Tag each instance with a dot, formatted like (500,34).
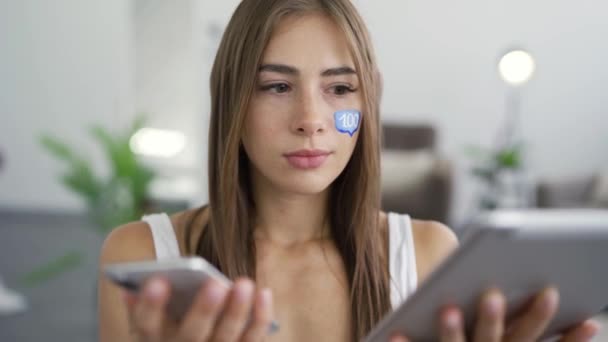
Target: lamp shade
(516,67)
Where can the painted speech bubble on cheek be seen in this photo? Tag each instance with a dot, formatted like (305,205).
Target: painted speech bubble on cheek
(347,121)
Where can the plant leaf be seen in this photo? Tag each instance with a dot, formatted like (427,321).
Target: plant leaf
(57,148)
(52,269)
(82,181)
(509,158)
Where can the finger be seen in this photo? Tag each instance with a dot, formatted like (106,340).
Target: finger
(262,317)
(535,319)
(237,311)
(490,324)
(130,299)
(451,326)
(200,320)
(582,332)
(150,307)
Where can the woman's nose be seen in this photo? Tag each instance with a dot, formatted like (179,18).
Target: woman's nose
(310,117)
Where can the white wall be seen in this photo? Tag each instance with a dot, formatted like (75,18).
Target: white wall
(439,63)
(68,64)
(175,45)
(64,65)
(168,80)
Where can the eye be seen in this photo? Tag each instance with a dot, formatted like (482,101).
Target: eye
(278,88)
(343,89)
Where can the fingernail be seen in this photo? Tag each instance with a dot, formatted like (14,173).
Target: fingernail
(244,290)
(265,297)
(592,331)
(494,305)
(215,293)
(396,337)
(155,289)
(551,300)
(452,321)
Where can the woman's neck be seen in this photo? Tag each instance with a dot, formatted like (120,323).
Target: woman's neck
(288,218)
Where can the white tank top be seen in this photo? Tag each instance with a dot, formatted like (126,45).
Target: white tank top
(402,259)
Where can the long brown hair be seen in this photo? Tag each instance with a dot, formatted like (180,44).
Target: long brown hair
(227,240)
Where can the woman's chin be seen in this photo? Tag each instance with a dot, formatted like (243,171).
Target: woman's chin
(304,185)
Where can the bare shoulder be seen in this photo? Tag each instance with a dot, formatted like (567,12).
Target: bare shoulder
(133,241)
(129,242)
(433,241)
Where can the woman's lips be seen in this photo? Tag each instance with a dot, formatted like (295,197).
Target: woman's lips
(307,159)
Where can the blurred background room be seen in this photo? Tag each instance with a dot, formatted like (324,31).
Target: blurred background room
(104,114)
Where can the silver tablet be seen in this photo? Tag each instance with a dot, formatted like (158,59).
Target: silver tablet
(520,253)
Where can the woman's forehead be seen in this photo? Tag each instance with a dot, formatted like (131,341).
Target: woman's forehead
(311,42)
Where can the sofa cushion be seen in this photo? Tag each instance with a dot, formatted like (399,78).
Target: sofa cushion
(599,195)
(402,171)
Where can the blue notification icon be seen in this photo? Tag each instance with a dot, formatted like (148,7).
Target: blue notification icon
(347,121)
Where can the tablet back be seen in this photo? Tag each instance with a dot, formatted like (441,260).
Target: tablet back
(520,254)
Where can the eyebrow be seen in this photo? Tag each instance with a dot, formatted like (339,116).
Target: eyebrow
(289,70)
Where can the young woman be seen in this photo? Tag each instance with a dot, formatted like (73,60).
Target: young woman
(294,211)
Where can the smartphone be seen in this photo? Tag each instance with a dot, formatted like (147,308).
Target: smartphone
(185,276)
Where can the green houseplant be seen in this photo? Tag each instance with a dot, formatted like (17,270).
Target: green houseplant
(490,167)
(114,200)
(120,197)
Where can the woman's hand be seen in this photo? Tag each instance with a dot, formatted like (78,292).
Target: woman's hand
(217,313)
(491,325)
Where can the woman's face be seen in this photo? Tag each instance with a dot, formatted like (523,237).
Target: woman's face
(307,74)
